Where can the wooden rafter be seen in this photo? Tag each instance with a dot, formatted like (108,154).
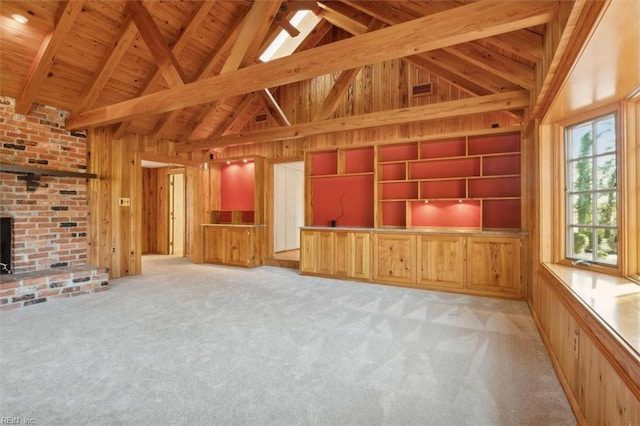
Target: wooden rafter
(340,87)
(251,33)
(165,59)
(466,23)
(108,66)
(274,108)
(191,24)
(476,105)
(46,54)
(344,16)
(522,42)
(252,101)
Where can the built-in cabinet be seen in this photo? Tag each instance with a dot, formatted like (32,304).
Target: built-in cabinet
(340,253)
(235,245)
(470,263)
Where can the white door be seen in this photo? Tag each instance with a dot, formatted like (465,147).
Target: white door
(176,214)
(288,205)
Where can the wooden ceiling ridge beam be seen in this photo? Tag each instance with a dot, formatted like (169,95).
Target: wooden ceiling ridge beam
(465,23)
(342,83)
(167,63)
(467,106)
(252,31)
(43,60)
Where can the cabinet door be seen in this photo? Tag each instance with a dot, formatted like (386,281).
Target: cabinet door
(214,244)
(360,255)
(394,258)
(308,255)
(441,261)
(493,265)
(239,247)
(341,253)
(324,252)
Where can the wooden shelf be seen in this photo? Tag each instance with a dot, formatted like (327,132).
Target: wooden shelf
(33,174)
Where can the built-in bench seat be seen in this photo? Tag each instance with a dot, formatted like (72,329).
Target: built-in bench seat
(30,288)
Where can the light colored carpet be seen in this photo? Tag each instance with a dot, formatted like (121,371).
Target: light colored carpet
(204,345)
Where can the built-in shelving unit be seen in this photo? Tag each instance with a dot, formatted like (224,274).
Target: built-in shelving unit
(340,187)
(469,182)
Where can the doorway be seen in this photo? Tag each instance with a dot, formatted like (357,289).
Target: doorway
(176,214)
(288,209)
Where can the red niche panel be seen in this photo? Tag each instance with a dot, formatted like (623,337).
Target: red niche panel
(446,214)
(237,187)
(346,199)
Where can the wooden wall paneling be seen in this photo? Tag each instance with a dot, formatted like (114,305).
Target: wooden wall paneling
(596,390)
(195,213)
(149,208)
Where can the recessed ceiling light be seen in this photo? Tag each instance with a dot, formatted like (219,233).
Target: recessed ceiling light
(19,18)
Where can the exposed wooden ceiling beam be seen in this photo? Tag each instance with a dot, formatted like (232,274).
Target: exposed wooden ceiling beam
(466,23)
(191,24)
(252,102)
(522,42)
(46,54)
(166,61)
(274,108)
(344,16)
(340,87)
(254,28)
(495,63)
(107,67)
(251,32)
(475,105)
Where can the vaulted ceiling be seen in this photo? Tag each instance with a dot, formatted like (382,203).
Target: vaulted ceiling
(185,70)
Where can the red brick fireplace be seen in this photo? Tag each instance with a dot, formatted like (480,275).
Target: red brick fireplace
(49,215)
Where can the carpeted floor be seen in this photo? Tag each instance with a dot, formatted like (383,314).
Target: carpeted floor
(205,345)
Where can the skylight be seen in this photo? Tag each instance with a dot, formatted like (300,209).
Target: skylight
(284,45)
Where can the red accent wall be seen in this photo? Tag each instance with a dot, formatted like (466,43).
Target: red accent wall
(446,214)
(237,187)
(354,192)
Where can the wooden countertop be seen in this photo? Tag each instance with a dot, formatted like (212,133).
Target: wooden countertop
(615,300)
(472,232)
(232,225)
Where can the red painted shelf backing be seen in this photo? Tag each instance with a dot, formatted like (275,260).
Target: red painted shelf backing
(394,214)
(394,171)
(399,190)
(462,167)
(399,152)
(494,144)
(501,214)
(439,149)
(494,187)
(237,186)
(324,163)
(353,193)
(358,160)
(444,189)
(501,165)
(446,214)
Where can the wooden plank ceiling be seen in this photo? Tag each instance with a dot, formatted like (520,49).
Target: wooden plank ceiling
(189,71)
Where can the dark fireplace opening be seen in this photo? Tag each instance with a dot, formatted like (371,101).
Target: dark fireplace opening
(5,244)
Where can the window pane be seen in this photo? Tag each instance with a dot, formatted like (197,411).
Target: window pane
(581,178)
(606,135)
(607,212)
(581,141)
(582,209)
(606,172)
(607,246)
(581,243)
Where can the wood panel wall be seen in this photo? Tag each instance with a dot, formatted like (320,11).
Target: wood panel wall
(116,233)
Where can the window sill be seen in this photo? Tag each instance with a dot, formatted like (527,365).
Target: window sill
(615,301)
